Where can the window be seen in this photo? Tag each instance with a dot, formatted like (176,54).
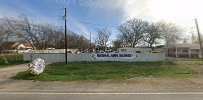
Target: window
(138,51)
(196,50)
(184,50)
(123,50)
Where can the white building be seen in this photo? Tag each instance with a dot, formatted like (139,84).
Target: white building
(184,50)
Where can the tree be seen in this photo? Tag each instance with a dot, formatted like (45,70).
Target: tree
(40,36)
(1,32)
(28,31)
(5,33)
(133,31)
(118,43)
(47,36)
(153,34)
(21,28)
(170,32)
(1,38)
(103,35)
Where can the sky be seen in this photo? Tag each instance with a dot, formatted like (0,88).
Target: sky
(84,16)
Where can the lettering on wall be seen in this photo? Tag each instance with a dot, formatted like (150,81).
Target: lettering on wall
(106,55)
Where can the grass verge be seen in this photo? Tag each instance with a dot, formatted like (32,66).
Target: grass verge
(75,71)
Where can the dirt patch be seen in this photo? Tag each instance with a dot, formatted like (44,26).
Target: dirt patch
(11,71)
(139,85)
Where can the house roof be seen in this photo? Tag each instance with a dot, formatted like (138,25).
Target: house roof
(16,44)
(27,44)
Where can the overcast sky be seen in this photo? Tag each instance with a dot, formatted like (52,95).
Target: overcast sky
(86,15)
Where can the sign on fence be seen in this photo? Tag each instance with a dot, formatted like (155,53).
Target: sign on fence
(107,56)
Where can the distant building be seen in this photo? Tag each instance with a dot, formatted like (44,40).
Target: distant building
(18,47)
(134,50)
(183,50)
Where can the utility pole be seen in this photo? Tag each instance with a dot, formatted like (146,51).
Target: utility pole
(65,19)
(90,41)
(200,40)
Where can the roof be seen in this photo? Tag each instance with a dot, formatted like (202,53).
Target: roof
(187,45)
(16,44)
(27,44)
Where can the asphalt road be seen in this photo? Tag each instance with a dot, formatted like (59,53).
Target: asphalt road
(101,96)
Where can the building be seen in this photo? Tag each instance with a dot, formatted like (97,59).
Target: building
(184,50)
(134,50)
(11,47)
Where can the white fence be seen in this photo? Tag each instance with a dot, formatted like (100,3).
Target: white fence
(53,51)
(56,57)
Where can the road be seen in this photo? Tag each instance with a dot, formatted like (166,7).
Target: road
(101,96)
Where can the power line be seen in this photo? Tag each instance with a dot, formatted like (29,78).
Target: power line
(94,24)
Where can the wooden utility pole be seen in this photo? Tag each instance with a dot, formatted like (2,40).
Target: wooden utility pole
(90,41)
(200,40)
(65,19)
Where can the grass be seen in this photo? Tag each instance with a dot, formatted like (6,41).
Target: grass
(75,71)
(10,59)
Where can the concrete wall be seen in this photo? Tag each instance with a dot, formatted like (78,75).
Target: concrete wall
(53,51)
(53,57)
(133,50)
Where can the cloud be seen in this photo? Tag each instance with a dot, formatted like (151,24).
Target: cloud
(129,8)
(137,8)
(79,28)
(180,12)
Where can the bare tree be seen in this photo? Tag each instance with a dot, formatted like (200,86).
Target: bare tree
(1,37)
(59,38)
(170,32)
(7,27)
(1,31)
(153,34)
(40,36)
(133,31)
(5,32)
(118,43)
(22,28)
(27,31)
(103,35)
